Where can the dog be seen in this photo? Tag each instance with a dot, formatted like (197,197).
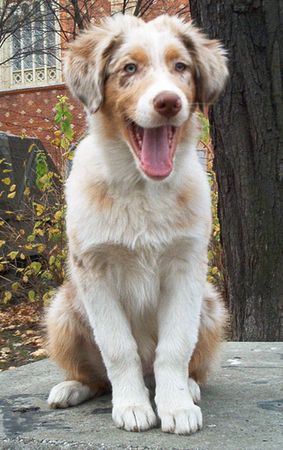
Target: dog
(138,220)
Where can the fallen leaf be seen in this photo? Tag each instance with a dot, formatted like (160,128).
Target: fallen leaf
(6,350)
(39,353)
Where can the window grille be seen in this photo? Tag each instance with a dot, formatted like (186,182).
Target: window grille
(118,5)
(33,48)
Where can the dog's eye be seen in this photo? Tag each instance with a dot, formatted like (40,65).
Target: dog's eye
(180,67)
(130,68)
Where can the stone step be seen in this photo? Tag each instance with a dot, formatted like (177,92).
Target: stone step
(242,409)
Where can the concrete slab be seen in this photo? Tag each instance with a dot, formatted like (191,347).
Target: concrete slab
(242,407)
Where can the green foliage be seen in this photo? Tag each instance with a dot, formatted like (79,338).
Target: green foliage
(205,132)
(33,240)
(63,119)
(43,176)
(215,266)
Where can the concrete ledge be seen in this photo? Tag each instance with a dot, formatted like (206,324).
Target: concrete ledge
(242,409)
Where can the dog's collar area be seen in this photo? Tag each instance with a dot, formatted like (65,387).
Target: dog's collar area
(155,148)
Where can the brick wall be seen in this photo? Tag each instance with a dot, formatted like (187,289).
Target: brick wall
(30,112)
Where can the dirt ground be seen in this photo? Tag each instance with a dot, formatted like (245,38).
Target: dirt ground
(21,335)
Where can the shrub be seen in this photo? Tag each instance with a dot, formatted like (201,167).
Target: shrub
(215,267)
(36,263)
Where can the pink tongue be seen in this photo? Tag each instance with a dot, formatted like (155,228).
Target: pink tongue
(155,154)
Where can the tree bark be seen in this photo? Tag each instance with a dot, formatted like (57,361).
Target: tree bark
(247,133)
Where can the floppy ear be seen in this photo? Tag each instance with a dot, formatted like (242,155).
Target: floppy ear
(210,65)
(85,64)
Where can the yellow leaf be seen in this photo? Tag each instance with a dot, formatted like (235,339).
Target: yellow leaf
(40,353)
(46,299)
(7,297)
(31,147)
(22,256)
(31,296)
(30,332)
(2,243)
(40,248)
(35,266)
(6,181)
(15,286)
(54,231)
(27,191)
(29,246)
(39,232)
(12,187)
(12,194)
(39,209)
(51,260)
(58,215)
(12,255)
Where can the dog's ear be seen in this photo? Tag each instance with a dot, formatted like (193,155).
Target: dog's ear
(210,65)
(85,64)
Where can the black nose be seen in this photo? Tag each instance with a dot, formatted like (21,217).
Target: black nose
(167,104)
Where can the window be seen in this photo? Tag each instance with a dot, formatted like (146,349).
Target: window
(32,51)
(117,6)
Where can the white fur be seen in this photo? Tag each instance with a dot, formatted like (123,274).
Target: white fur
(146,116)
(68,393)
(152,286)
(194,390)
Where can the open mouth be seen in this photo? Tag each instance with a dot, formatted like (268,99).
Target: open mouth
(155,148)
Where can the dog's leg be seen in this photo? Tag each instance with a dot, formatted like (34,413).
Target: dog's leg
(72,347)
(178,321)
(131,405)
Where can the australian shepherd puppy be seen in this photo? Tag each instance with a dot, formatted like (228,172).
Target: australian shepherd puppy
(138,221)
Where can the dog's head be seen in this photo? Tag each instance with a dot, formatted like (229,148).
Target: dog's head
(146,80)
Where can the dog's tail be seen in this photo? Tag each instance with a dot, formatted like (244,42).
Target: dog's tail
(212,327)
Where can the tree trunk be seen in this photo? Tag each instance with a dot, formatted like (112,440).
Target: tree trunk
(247,133)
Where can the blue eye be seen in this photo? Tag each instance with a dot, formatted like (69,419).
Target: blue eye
(180,67)
(130,68)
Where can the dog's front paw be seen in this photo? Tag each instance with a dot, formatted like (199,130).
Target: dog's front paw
(134,418)
(181,421)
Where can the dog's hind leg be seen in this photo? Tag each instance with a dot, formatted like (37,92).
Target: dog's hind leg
(212,324)
(72,347)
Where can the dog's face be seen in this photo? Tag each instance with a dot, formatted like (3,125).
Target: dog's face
(146,79)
